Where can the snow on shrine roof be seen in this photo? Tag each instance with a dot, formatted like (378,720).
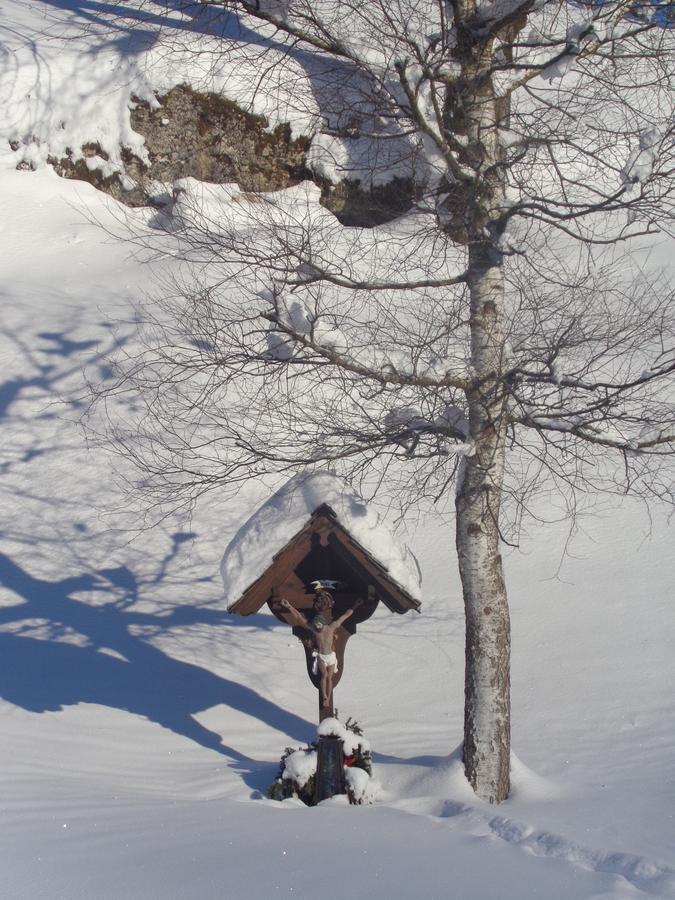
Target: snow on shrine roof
(251,551)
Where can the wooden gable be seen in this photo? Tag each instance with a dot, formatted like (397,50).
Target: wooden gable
(290,572)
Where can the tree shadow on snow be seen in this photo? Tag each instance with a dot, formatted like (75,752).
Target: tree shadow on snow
(47,364)
(115,667)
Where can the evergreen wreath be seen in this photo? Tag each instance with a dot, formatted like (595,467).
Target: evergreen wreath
(285,785)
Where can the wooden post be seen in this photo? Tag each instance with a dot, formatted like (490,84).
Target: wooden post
(330,773)
(326,712)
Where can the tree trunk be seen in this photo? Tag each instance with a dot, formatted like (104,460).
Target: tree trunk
(488,635)
(479,113)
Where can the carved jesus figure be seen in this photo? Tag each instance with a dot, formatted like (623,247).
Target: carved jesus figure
(323,628)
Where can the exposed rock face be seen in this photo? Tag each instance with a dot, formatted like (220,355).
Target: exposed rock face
(364,208)
(111,184)
(212,139)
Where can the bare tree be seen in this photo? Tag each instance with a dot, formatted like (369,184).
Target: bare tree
(503,335)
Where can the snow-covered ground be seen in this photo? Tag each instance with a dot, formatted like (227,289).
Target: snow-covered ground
(140,722)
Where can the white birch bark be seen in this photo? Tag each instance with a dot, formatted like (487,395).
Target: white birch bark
(488,640)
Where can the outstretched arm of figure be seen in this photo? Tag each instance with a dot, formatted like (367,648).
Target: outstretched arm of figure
(294,613)
(344,616)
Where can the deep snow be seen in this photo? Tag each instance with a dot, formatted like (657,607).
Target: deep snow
(140,722)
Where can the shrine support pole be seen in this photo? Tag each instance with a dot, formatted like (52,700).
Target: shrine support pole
(326,712)
(330,775)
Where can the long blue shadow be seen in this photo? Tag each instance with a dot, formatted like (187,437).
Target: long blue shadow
(44,675)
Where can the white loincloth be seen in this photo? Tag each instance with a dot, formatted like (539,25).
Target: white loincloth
(328,659)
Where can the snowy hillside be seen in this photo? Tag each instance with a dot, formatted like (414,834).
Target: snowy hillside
(141,723)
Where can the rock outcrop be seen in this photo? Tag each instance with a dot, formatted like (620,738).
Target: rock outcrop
(212,139)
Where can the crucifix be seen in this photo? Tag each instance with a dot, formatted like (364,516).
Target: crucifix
(319,634)
(323,628)
(323,583)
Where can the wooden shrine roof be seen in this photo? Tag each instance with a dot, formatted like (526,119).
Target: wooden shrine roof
(325,525)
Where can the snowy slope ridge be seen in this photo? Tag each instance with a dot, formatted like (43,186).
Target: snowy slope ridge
(278,520)
(71,76)
(141,723)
